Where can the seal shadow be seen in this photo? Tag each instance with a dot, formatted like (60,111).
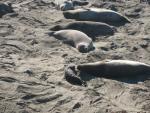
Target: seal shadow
(127,79)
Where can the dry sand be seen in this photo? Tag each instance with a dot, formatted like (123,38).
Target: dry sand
(32,63)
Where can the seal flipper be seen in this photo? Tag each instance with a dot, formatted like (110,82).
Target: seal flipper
(50,33)
(79,3)
(71,76)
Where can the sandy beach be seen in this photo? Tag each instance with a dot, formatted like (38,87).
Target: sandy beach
(32,63)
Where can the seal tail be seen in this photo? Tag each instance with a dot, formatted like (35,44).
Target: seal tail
(125,19)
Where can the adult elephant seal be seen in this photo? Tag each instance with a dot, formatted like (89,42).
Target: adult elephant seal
(74,38)
(92,29)
(115,68)
(106,68)
(96,14)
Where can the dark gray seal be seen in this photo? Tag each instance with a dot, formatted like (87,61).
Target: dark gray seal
(115,68)
(96,14)
(74,38)
(92,29)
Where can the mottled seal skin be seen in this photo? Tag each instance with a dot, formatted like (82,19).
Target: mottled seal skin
(115,68)
(74,38)
(96,14)
(92,29)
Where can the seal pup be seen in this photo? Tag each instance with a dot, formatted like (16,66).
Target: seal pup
(92,29)
(115,68)
(74,38)
(96,14)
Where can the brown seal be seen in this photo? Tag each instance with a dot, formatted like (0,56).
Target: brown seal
(115,68)
(96,14)
(92,29)
(74,38)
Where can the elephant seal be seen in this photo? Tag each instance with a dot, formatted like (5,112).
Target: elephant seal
(96,14)
(115,68)
(74,38)
(92,29)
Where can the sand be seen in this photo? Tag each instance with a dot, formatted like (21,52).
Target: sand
(32,63)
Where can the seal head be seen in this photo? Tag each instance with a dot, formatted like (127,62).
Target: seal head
(84,47)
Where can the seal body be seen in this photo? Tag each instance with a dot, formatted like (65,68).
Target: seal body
(75,38)
(115,68)
(96,14)
(92,29)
